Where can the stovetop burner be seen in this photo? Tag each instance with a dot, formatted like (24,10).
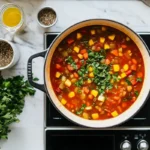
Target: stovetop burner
(55,119)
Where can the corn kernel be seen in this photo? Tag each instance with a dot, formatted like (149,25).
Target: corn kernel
(111,37)
(76,49)
(85,115)
(95,116)
(58,74)
(71,94)
(80,56)
(126,67)
(63,78)
(129,88)
(116,68)
(63,101)
(111,81)
(90,69)
(123,75)
(101,98)
(92,32)
(106,46)
(91,75)
(120,54)
(79,36)
(91,42)
(89,81)
(102,40)
(68,83)
(94,93)
(114,113)
(104,28)
(120,49)
(127,39)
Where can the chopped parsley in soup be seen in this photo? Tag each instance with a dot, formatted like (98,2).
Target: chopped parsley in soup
(97,72)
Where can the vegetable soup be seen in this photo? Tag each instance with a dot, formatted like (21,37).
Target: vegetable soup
(97,72)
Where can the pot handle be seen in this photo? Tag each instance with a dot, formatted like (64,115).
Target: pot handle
(29,71)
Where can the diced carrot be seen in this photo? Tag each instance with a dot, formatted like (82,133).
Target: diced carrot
(86,89)
(70,41)
(70,68)
(133,67)
(128,72)
(85,55)
(88,104)
(83,51)
(139,74)
(124,105)
(107,61)
(90,96)
(68,105)
(124,46)
(108,114)
(119,109)
(114,52)
(72,106)
(134,61)
(75,75)
(58,66)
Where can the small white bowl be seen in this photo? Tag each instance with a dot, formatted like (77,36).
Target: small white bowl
(46,26)
(15,58)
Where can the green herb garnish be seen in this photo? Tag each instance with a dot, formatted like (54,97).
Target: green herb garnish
(136,93)
(12,94)
(139,79)
(80,111)
(70,61)
(128,81)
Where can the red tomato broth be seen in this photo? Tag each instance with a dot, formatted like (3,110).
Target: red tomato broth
(122,52)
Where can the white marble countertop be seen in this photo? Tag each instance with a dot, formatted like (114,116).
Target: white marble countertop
(28,134)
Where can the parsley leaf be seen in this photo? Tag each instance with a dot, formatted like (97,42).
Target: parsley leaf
(128,81)
(139,79)
(70,61)
(136,93)
(81,109)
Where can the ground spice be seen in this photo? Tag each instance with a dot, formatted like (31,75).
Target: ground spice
(6,54)
(47,16)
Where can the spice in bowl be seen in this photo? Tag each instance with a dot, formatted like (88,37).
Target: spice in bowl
(47,17)
(6,54)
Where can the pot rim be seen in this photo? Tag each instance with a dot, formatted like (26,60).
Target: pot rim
(85,122)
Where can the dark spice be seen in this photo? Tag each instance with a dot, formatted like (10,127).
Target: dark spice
(6,54)
(47,16)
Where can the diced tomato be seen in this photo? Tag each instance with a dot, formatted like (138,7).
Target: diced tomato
(70,68)
(68,105)
(59,60)
(58,66)
(86,90)
(83,51)
(133,81)
(85,55)
(133,67)
(139,74)
(58,90)
(134,61)
(70,41)
(128,72)
(114,52)
(124,105)
(124,46)
(108,114)
(78,66)
(72,106)
(75,75)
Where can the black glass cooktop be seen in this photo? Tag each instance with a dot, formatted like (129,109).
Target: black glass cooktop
(55,119)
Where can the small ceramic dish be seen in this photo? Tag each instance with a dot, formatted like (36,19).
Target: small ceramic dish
(47,17)
(9,54)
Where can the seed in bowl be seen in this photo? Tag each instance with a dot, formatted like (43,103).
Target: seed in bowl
(6,54)
(47,16)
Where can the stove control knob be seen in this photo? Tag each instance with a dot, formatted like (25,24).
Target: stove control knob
(142,145)
(125,145)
